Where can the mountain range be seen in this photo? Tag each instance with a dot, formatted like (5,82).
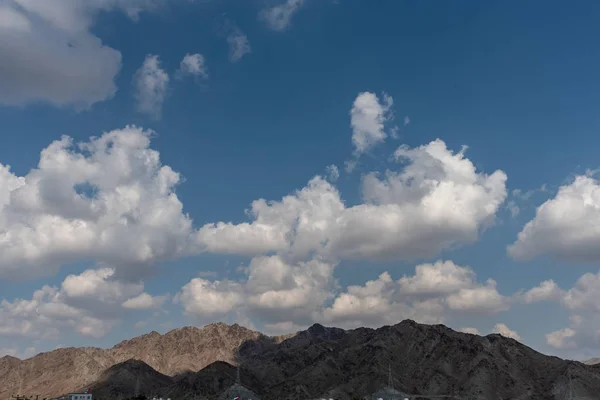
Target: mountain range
(320,362)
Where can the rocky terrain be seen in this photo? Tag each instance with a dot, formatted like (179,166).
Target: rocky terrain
(128,379)
(201,363)
(180,350)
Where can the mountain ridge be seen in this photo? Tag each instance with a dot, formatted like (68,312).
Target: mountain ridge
(315,362)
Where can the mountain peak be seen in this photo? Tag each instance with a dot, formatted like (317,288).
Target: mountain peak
(10,358)
(167,365)
(317,328)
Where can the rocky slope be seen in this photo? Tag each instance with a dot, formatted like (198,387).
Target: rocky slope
(211,381)
(130,378)
(63,370)
(424,360)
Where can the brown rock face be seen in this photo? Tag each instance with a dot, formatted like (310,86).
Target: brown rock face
(423,359)
(64,370)
(186,349)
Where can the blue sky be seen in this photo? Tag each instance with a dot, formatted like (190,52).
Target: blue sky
(516,83)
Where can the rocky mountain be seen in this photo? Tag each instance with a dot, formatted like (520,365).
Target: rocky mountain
(318,362)
(128,379)
(211,381)
(63,370)
(423,359)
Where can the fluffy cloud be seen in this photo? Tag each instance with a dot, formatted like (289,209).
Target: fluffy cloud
(279,17)
(144,301)
(282,328)
(582,302)
(472,331)
(95,283)
(14,352)
(275,292)
(89,303)
(437,201)
(111,200)
(582,297)
(545,291)
(238,42)
(505,331)
(287,297)
(434,292)
(301,221)
(332,172)
(278,291)
(204,298)
(48,53)
(564,227)
(562,339)
(47,315)
(151,84)
(194,65)
(108,199)
(367,118)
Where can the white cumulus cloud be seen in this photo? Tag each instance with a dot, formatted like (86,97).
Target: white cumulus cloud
(438,200)
(279,17)
(204,298)
(193,65)
(47,315)
(14,352)
(151,84)
(144,301)
(286,297)
(367,119)
(433,293)
(109,199)
(562,339)
(48,54)
(274,291)
(581,301)
(545,291)
(564,227)
(472,331)
(505,331)
(89,304)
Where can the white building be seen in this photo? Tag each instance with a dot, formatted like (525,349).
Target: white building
(80,396)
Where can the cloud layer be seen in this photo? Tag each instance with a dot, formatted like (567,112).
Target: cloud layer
(581,301)
(438,200)
(48,53)
(283,295)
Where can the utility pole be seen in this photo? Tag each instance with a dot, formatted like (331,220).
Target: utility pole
(390,380)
